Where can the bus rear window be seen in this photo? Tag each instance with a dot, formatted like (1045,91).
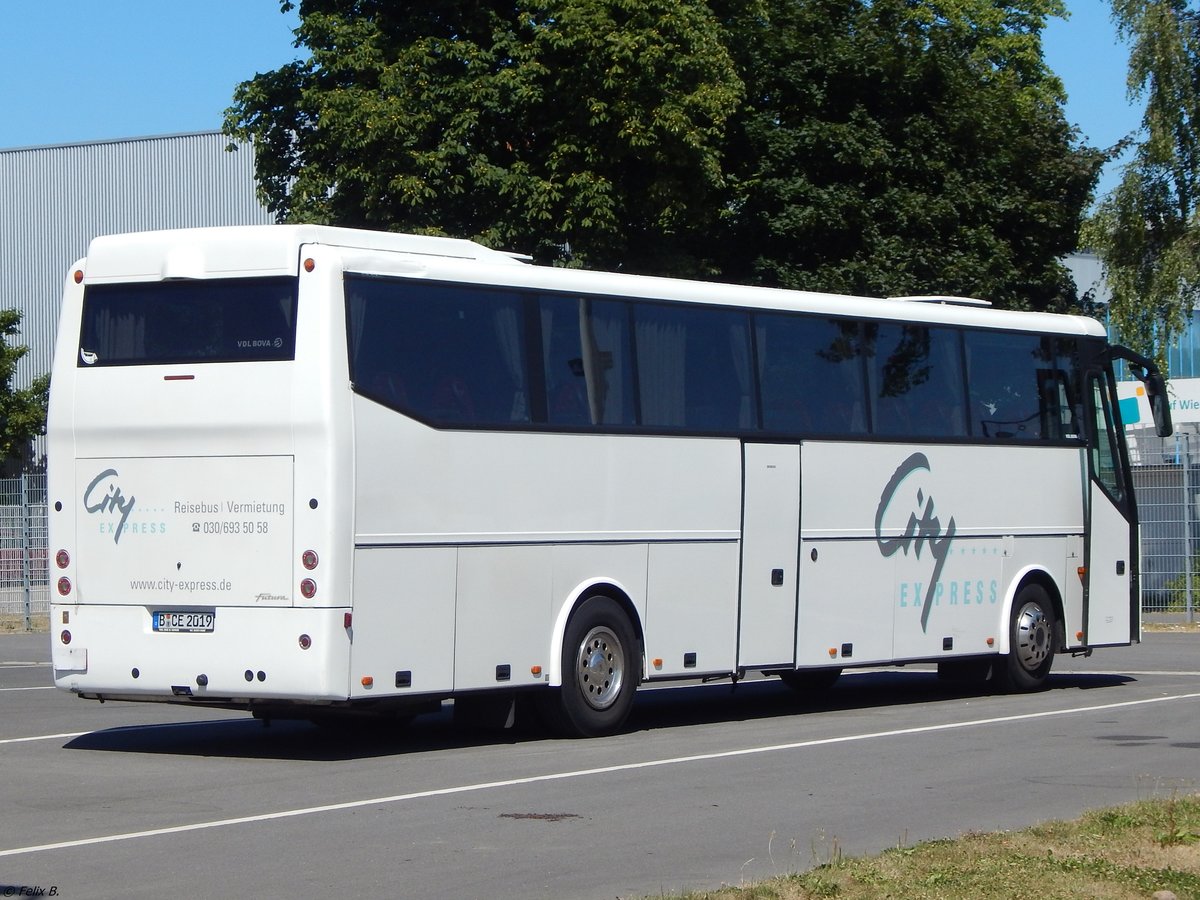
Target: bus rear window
(230,320)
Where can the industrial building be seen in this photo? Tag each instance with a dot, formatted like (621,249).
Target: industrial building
(55,199)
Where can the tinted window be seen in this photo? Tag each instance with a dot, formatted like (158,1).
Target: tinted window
(693,368)
(454,355)
(491,357)
(587,361)
(1023,386)
(232,320)
(916,381)
(811,375)
(1106,460)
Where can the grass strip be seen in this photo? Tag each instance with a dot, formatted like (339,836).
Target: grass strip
(1120,853)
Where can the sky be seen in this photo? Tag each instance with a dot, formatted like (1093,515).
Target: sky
(88,70)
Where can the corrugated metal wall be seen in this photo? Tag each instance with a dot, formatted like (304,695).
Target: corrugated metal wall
(55,199)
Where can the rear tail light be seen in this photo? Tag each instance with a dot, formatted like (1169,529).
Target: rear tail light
(309,559)
(64,586)
(62,559)
(308,588)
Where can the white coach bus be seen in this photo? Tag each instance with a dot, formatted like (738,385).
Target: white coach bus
(301,470)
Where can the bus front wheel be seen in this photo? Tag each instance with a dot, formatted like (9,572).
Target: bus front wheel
(1031,640)
(600,671)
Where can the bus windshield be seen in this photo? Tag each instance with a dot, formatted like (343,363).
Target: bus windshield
(229,320)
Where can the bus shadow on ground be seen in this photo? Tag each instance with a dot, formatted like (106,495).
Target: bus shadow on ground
(683,706)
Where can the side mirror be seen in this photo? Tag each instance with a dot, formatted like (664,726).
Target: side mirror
(1160,405)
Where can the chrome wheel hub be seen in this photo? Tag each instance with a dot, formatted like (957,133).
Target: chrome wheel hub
(601,667)
(1032,636)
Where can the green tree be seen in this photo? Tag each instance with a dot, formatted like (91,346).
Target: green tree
(1146,231)
(867,146)
(574,129)
(889,147)
(22,410)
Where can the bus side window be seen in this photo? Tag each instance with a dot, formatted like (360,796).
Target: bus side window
(1006,397)
(917,382)
(452,355)
(586,361)
(810,374)
(1106,459)
(1057,409)
(693,366)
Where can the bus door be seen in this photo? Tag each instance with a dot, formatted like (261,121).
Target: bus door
(770,555)
(1110,599)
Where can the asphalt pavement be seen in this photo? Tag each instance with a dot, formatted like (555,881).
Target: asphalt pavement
(709,785)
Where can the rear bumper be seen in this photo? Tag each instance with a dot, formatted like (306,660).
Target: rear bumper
(251,654)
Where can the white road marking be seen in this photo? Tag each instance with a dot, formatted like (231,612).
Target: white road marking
(44,737)
(1127,672)
(580,773)
(118,728)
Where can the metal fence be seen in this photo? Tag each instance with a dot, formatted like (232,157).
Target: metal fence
(24,578)
(1166,479)
(1166,482)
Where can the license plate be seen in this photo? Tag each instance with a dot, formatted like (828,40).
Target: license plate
(184,621)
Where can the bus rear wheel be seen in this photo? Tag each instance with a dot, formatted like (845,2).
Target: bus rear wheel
(600,672)
(1031,641)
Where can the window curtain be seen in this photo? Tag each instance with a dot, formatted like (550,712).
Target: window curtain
(661,359)
(739,346)
(119,336)
(508,335)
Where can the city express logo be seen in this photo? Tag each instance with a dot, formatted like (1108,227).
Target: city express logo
(104,497)
(921,531)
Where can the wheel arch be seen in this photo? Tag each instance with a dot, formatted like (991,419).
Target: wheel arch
(605,587)
(1030,575)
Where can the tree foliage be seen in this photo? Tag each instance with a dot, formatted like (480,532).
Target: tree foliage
(891,147)
(544,125)
(868,146)
(1146,231)
(23,410)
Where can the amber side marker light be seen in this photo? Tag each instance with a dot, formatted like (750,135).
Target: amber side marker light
(78,276)
(1081,571)
(309,264)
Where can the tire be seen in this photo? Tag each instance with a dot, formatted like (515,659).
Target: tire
(810,681)
(1032,639)
(600,672)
